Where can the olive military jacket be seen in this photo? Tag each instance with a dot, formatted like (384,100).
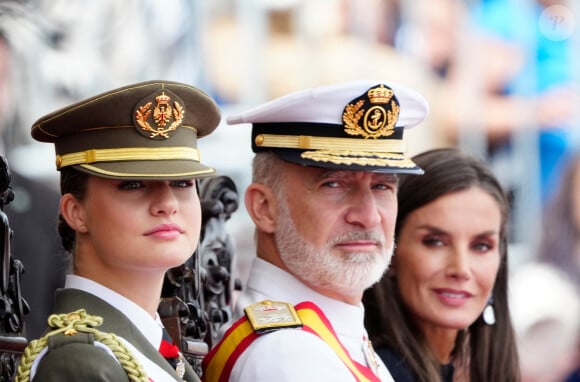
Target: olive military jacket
(81,360)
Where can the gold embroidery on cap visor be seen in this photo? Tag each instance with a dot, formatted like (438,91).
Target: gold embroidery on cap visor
(342,151)
(359,158)
(163,113)
(378,120)
(127,154)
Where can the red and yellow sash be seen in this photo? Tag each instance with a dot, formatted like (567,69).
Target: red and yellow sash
(219,362)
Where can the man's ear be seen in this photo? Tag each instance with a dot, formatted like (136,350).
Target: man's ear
(261,206)
(73,213)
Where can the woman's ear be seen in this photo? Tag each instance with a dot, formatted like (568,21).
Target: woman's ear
(73,213)
(261,205)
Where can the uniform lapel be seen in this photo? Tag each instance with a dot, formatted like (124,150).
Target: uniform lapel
(68,300)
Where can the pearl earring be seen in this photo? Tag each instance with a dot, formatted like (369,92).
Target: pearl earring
(489,313)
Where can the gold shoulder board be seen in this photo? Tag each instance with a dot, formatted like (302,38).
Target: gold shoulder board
(266,316)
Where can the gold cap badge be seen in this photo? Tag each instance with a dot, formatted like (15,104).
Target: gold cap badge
(373,114)
(165,116)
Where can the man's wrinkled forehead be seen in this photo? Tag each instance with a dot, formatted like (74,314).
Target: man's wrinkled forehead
(324,173)
(350,173)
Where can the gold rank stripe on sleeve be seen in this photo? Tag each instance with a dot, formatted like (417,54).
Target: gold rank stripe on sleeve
(218,364)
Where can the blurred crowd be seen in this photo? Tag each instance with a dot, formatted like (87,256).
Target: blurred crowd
(501,78)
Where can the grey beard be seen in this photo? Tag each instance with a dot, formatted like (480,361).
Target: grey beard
(348,274)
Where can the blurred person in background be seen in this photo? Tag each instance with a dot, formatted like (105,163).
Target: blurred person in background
(559,246)
(34,211)
(560,240)
(504,74)
(284,46)
(441,313)
(542,93)
(545,308)
(438,33)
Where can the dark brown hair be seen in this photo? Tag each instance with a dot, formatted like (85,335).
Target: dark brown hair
(488,352)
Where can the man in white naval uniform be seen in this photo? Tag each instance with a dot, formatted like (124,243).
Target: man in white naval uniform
(324,201)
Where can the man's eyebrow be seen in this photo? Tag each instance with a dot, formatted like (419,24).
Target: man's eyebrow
(333,173)
(391,177)
(387,177)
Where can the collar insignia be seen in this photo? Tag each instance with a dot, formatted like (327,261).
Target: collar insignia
(163,119)
(372,115)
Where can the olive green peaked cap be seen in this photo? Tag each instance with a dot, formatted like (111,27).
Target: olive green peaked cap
(147,130)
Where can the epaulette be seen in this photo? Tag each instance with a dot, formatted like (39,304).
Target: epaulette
(266,316)
(71,325)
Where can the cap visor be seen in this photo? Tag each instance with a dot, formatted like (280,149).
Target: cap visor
(151,170)
(393,164)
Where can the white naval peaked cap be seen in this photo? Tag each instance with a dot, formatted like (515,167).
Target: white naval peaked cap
(353,126)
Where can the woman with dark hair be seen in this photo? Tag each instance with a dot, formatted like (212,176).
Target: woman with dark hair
(129,211)
(560,244)
(441,312)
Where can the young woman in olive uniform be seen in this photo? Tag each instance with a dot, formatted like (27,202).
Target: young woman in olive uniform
(129,211)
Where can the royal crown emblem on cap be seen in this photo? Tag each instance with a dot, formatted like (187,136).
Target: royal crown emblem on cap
(373,114)
(165,116)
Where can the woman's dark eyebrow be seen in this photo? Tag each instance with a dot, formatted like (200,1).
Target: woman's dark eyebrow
(439,231)
(432,229)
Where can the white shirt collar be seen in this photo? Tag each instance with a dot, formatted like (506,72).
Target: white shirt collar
(148,326)
(278,285)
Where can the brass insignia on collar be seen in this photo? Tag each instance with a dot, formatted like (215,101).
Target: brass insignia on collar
(165,116)
(372,115)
